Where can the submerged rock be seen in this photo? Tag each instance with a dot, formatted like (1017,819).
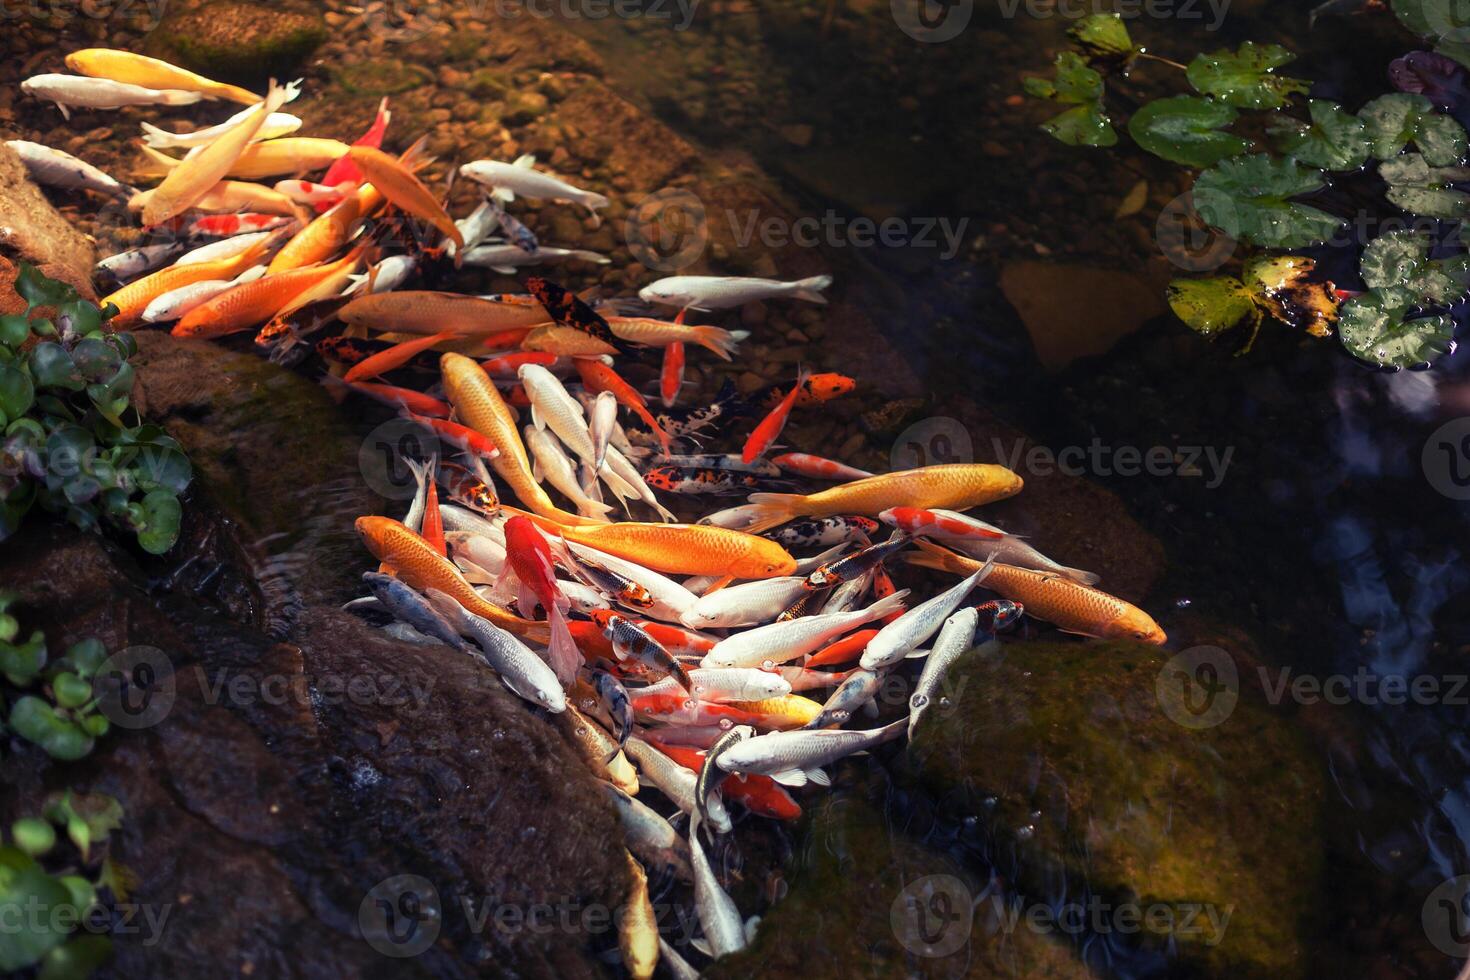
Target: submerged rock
(239,42)
(1075,311)
(31,230)
(1089,788)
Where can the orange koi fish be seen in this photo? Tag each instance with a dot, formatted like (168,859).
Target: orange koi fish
(770,427)
(671,378)
(423,311)
(404,190)
(598,377)
(394,357)
(132,299)
(252,303)
(817,467)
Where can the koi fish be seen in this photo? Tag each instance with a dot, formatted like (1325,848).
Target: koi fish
(957,485)
(746,604)
(506,365)
(272,158)
(760,794)
(632,644)
(468,489)
(661,333)
(925,523)
(136,69)
(309,192)
(415,311)
(394,357)
(253,303)
(897,639)
(399,185)
(57,168)
(818,468)
(348,350)
(506,180)
(224,248)
(231,225)
(671,377)
(529,557)
(782,642)
(614,584)
(461,437)
(598,377)
(520,236)
(507,258)
(638,938)
(520,670)
(770,427)
(686,480)
(71,91)
(133,299)
(569,311)
(980,540)
(725,292)
(857,564)
(416,563)
(1056,599)
(136,261)
(177,303)
(824,532)
(722,461)
(344,169)
(196,174)
(793,758)
(275,125)
(405,398)
(843,651)
(782,713)
(553,466)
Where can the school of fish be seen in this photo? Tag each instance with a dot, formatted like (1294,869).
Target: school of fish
(702,670)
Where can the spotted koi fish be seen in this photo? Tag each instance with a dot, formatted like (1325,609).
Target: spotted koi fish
(825,532)
(679,479)
(465,488)
(349,350)
(569,311)
(849,567)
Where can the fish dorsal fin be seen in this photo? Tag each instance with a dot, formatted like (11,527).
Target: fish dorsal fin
(751,924)
(703,946)
(525,161)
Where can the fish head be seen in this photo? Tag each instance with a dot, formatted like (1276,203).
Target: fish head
(763,559)
(657,294)
(374,532)
(772,685)
(999,615)
(552,698)
(821,579)
(830,385)
(606,620)
(1135,624)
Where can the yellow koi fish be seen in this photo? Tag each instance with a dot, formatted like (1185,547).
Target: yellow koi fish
(132,299)
(136,69)
(399,185)
(288,155)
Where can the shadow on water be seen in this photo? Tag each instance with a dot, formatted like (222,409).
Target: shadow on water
(1324,538)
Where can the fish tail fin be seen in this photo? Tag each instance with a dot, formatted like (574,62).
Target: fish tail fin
(414,158)
(564,656)
(155,137)
(811,289)
(770,509)
(887,606)
(176,97)
(1086,578)
(717,340)
(156,164)
(596,258)
(934,556)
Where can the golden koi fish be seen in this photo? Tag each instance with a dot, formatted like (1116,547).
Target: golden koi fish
(136,69)
(232,197)
(638,930)
(199,172)
(1048,596)
(954,486)
(479,406)
(597,748)
(253,303)
(398,184)
(414,561)
(782,713)
(428,312)
(132,299)
(286,156)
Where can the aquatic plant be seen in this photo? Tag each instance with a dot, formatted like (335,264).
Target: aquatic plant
(51,702)
(65,384)
(1248,187)
(39,872)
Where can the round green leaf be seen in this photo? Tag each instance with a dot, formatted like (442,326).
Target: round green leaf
(1334,140)
(14,330)
(1393,258)
(96,359)
(161,516)
(33,835)
(1210,306)
(23,884)
(1103,36)
(17,394)
(1421,189)
(1393,121)
(37,721)
(1246,197)
(39,290)
(1186,129)
(1373,329)
(1245,77)
(70,690)
(51,367)
(84,316)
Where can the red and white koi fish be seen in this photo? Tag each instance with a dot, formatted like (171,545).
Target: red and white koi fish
(221,225)
(770,427)
(529,557)
(980,540)
(818,467)
(344,169)
(463,438)
(308,192)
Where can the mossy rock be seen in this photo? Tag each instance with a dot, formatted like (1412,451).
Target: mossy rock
(523,106)
(1086,784)
(383,76)
(487,83)
(842,916)
(239,42)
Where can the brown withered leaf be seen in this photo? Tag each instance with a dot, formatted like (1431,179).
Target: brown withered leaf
(1284,286)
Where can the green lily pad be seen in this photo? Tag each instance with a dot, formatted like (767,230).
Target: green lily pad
(1394,121)
(1446,19)
(1335,139)
(1103,37)
(1245,77)
(1085,124)
(14,330)
(162,514)
(37,721)
(1421,189)
(23,885)
(1400,259)
(1211,306)
(1186,129)
(1373,328)
(1246,198)
(51,367)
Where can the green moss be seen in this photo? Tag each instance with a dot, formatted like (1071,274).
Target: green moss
(238,42)
(837,919)
(386,76)
(488,83)
(1131,804)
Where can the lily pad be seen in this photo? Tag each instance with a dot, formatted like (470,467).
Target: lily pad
(1186,129)
(1245,77)
(1446,19)
(1395,120)
(1419,188)
(1080,86)
(1104,37)
(1373,327)
(1283,284)
(161,516)
(1335,139)
(1211,306)
(16,392)
(1400,259)
(1247,198)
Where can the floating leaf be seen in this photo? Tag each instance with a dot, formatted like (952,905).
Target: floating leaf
(1246,197)
(1078,85)
(1400,259)
(1436,76)
(96,359)
(51,367)
(1393,121)
(24,885)
(16,392)
(1211,306)
(1334,140)
(1245,77)
(161,516)
(1283,284)
(1104,37)
(1186,129)
(1420,189)
(1433,18)
(1373,328)
(14,330)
